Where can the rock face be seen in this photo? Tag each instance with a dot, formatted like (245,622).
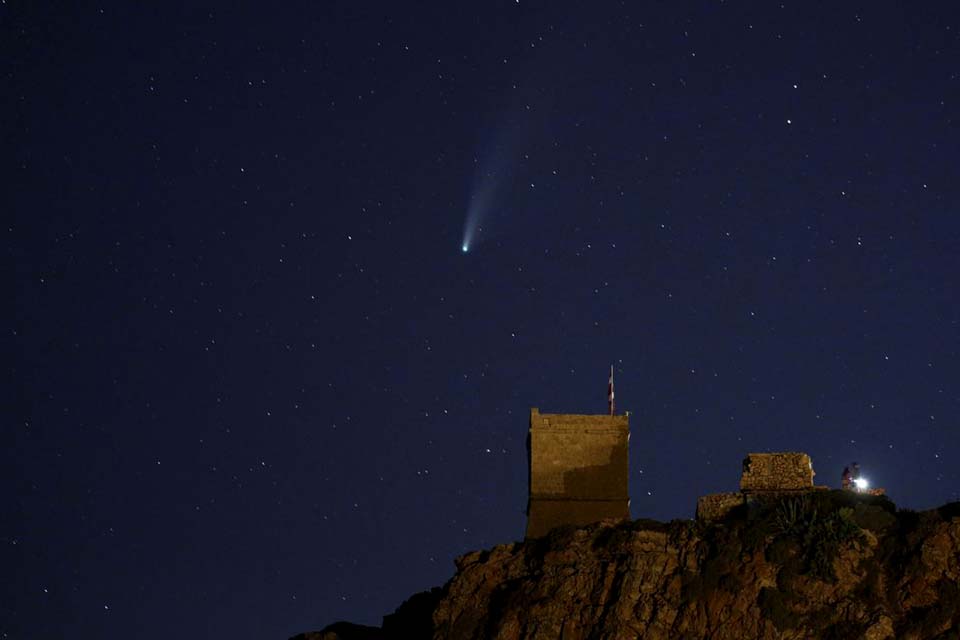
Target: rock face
(824,565)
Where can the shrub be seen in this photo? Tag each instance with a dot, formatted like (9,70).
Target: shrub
(825,537)
(792,516)
(821,525)
(872,517)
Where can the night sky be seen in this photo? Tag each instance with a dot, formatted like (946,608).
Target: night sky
(254,384)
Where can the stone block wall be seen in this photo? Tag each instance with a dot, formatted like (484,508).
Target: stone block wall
(717,505)
(578,470)
(789,471)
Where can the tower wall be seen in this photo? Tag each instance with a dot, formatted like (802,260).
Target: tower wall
(578,470)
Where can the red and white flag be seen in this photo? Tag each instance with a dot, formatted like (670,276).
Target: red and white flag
(610,391)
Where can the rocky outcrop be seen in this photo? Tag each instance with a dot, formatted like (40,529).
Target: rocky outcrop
(822,565)
(343,631)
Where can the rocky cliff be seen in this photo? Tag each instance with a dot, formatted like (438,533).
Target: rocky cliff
(817,565)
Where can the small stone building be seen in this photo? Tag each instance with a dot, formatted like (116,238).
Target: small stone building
(764,475)
(777,472)
(578,470)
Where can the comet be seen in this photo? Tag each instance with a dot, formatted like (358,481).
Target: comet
(493,175)
(480,201)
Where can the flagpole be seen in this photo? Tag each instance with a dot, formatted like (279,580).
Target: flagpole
(610,399)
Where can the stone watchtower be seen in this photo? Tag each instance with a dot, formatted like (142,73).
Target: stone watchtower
(578,470)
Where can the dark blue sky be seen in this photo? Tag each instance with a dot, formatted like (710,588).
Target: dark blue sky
(253,384)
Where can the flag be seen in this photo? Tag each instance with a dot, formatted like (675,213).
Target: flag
(610,391)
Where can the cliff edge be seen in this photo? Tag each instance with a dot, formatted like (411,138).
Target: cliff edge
(826,564)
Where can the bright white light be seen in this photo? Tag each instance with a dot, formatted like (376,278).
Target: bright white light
(861,483)
(464,248)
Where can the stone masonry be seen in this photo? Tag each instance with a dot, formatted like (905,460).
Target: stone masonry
(716,505)
(777,472)
(578,470)
(764,475)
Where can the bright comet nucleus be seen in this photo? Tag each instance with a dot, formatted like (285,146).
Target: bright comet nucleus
(480,203)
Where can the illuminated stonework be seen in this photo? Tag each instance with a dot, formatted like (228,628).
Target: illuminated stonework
(578,470)
(764,475)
